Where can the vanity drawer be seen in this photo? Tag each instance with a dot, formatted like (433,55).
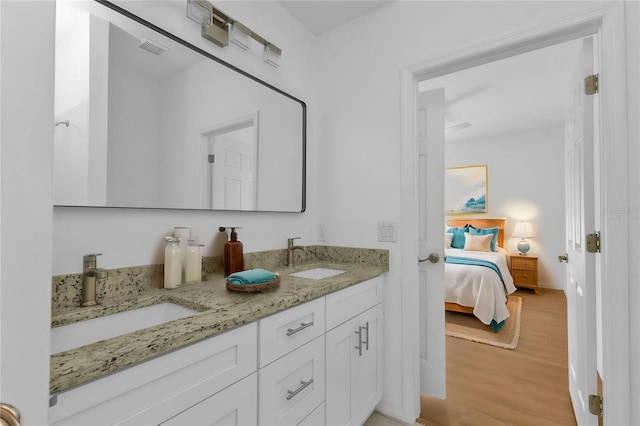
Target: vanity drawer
(293,386)
(316,418)
(285,331)
(351,301)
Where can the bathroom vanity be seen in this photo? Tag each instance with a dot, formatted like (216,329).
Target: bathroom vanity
(308,352)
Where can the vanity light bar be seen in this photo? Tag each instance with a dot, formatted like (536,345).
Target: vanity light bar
(219,28)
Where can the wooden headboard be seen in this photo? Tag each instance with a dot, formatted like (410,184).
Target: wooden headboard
(460,222)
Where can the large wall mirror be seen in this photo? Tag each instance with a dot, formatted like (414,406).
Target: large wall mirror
(146,120)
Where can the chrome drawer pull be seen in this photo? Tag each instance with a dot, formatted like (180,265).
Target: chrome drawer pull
(300,389)
(291,331)
(359,347)
(367,334)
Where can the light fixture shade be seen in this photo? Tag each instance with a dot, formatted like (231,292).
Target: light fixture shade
(272,55)
(240,36)
(523,230)
(198,13)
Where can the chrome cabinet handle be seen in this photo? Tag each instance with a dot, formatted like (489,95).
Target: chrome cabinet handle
(291,331)
(367,335)
(359,347)
(300,389)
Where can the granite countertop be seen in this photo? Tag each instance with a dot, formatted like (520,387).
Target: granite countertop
(219,310)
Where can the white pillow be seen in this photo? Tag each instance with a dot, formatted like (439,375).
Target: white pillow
(477,242)
(448,238)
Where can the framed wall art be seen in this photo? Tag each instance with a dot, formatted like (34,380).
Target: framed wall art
(465,190)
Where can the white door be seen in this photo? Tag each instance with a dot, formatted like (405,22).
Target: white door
(231,165)
(430,131)
(580,204)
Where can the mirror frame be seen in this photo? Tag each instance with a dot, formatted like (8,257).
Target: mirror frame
(231,67)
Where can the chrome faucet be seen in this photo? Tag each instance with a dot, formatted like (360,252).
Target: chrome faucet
(90,274)
(290,249)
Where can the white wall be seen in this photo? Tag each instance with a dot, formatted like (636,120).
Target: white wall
(129,237)
(525,182)
(361,69)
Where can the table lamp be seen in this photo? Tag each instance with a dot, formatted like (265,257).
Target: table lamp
(523,230)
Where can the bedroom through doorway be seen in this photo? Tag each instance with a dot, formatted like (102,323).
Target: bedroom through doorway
(509,115)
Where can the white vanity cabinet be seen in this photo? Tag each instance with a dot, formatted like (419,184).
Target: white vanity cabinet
(354,353)
(157,390)
(317,363)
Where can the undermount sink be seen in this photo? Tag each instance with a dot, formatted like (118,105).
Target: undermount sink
(83,333)
(317,273)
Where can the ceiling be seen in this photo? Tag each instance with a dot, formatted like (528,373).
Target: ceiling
(320,16)
(521,93)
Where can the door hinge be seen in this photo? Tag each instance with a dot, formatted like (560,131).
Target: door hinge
(211,158)
(591,84)
(595,405)
(593,242)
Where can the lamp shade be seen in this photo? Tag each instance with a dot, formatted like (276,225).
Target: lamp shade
(523,230)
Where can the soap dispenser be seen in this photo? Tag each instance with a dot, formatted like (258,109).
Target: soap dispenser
(172,263)
(233,257)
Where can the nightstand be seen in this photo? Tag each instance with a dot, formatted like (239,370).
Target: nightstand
(524,270)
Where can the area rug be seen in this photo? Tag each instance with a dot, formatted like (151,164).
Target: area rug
(468,327)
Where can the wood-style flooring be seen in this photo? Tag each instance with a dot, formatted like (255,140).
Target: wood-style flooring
(487,385)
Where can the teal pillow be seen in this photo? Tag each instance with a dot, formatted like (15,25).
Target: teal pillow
(486,231)
(458,236)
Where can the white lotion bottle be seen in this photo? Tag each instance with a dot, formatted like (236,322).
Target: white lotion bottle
(193,262)
(172,263)
(183,233)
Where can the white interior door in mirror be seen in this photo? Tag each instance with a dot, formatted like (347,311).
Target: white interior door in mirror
(230,165)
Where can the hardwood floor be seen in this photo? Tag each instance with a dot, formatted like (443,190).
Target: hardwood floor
(487,385)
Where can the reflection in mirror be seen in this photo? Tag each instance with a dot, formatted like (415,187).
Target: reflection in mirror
(144,121)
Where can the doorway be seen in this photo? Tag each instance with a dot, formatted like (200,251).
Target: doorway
(608,22)
(514,110)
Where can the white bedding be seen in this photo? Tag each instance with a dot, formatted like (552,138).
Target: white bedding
(477,286)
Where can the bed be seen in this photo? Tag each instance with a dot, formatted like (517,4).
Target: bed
(478,281)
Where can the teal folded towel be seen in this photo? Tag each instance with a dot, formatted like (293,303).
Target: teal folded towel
(251,276)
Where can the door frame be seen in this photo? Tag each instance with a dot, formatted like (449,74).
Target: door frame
(608,21)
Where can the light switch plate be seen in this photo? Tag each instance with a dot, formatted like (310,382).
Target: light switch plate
(388,232)
(322,232)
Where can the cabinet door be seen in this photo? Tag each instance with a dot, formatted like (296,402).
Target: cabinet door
(342,357)
(354,368)
(236,405)
(367,387)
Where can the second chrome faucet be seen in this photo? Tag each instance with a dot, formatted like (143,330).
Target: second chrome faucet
(90,275)
(291,248)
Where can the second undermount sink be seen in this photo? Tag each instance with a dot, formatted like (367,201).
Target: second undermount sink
(83,333)
(317,273)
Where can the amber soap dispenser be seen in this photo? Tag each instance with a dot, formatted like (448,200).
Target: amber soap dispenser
(233,256)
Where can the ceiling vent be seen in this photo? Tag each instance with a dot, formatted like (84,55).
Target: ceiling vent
(152,46)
